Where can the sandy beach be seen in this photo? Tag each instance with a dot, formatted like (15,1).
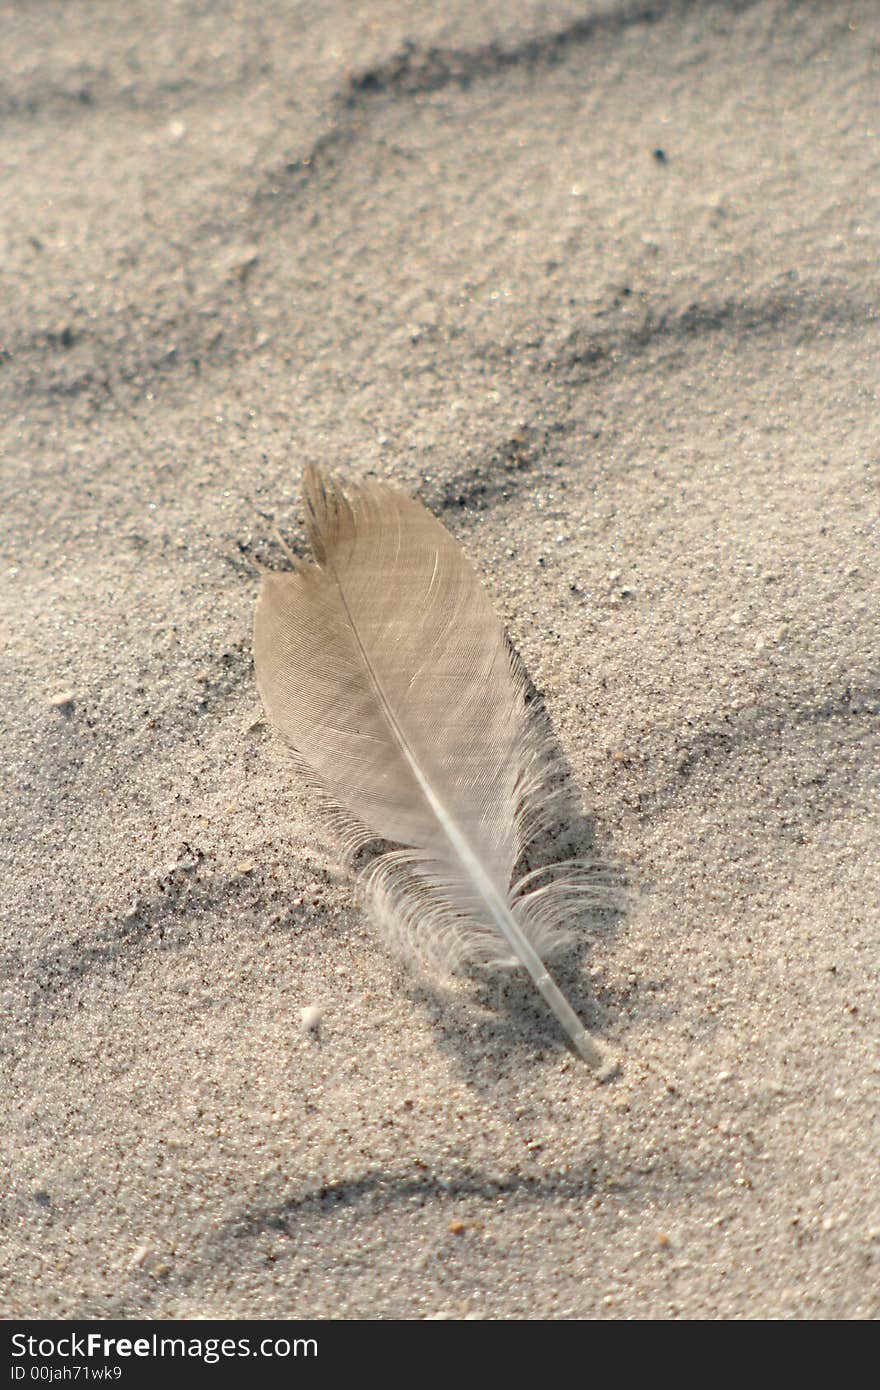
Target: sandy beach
(596,281)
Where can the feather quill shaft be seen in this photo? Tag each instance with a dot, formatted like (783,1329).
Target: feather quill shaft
(385,668)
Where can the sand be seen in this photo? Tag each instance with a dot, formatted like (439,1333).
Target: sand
(597,281)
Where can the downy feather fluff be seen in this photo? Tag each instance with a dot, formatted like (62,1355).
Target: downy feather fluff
(385,667)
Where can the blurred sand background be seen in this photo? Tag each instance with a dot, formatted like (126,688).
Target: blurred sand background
(598,281)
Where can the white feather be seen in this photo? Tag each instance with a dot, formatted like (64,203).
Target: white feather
(385,667)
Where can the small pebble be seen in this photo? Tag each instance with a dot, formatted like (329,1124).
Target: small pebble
(63,700)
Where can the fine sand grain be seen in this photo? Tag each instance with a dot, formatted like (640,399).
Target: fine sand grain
(598,281)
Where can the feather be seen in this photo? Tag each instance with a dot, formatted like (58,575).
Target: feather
(386,669)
